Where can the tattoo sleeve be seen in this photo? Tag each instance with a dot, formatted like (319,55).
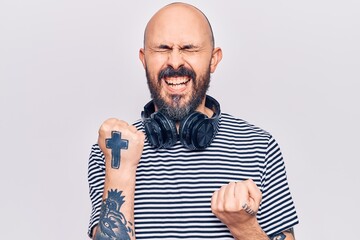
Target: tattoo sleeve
(112,223)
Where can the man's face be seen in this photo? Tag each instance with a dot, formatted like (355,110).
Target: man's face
(177,59)
(177,93)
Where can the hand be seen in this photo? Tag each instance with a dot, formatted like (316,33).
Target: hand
(121,143)
(236,204)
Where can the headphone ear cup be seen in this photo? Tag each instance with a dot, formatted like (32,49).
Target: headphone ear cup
(203,133)
(186,130)
(197,131)
(153,132)
(167,133)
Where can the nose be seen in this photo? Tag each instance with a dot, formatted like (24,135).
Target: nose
(176,59)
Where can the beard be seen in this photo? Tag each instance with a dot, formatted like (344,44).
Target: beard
(175,110)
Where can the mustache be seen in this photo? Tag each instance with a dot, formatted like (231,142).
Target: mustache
(180,72)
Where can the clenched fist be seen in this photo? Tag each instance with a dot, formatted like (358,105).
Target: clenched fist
(236,204)
(121,143)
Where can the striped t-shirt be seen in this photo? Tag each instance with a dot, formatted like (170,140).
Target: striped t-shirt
(174,186)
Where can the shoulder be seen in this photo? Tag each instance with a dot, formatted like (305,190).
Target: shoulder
(238,126)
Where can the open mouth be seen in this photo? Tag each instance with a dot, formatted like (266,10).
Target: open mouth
(177,82)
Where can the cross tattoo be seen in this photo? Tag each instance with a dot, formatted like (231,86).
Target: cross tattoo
(115,143)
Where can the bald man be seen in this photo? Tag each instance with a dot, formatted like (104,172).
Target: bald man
(186,170)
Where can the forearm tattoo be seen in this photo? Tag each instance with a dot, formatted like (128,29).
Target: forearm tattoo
(112,223)
(282,236)
(115,143)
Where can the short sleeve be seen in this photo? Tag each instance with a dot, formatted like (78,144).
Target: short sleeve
(277,211)
(96,179)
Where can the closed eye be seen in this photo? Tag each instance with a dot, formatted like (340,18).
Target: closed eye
(163,48)
(189,48)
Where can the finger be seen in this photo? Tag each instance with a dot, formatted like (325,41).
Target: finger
(221,198)
(241,193)
(230,190)
(222,192)
(112,124)
(132,129)
(242,196)
(254,194)
(249,210)
(214,200)
(230,202)
(141,136)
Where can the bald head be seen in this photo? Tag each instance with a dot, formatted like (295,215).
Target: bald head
(175,20)
(178,58)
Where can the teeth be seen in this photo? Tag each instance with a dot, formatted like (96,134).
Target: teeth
(176,81)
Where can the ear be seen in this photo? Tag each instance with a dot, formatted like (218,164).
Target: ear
(215,59)
(142,57)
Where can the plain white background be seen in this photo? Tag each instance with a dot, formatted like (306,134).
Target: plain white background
(290,67)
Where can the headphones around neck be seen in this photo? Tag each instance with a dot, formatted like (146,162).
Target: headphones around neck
(196,131)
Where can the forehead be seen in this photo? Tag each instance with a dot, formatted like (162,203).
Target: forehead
(178,25)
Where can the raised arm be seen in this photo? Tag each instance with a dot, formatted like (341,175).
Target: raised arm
(236,205)
(122,145)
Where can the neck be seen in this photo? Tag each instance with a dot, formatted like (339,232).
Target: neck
(203,109)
